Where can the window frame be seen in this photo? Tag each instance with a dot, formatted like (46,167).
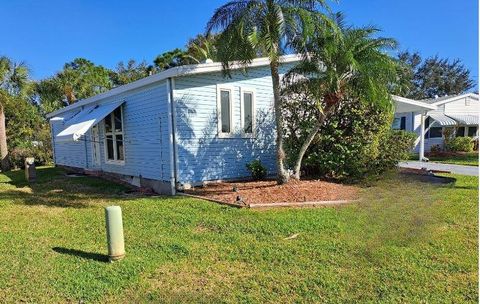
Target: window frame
(247,90)
(114,134)
(231,89)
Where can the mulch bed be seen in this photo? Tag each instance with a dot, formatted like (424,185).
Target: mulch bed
(261,192)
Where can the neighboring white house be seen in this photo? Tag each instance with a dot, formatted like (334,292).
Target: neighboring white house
(460,112)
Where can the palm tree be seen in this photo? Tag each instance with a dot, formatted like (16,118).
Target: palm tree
(248,28)
(13,82)
(352,65)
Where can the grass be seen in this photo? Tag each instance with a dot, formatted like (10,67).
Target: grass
(467,159)
(405,242)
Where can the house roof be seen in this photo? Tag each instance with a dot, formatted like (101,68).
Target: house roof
(447,99)
(173,72)
(403,105)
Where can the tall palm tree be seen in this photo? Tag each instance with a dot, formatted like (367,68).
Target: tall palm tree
(352,65)
(247,28)
(13,82)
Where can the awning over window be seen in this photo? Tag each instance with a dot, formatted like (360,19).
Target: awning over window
(443,120)
(465,119)
(78,125)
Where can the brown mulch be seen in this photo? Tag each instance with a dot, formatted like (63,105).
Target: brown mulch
(254,192)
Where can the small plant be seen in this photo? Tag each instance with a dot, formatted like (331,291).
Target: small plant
(460,144)
(435,149)
(257,170)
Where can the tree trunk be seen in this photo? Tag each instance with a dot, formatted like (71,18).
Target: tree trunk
(304,147)
(5,164)
(282,176)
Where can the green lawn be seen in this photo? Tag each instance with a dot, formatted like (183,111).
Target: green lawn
(468,159)
(404,242)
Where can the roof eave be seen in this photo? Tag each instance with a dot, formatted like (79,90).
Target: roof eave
(173,72)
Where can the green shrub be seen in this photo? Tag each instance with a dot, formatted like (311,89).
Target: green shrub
(354,143)
(460,144)
(395,146)
(348,143)
(41,152)
(435,149)
(257,169)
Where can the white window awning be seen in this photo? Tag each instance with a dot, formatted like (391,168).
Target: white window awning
(465,119)
(82,122)
(443,120)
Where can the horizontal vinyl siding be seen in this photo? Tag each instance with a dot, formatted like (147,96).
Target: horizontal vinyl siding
(145,134)
(460,106)
(70,154)
(146,137)
(202,155)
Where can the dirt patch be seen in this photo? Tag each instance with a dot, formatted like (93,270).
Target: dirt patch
(256,192)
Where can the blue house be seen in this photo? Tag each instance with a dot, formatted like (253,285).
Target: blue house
(174,129)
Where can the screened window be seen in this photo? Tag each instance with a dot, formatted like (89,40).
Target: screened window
(472,131)
(248,112)
(399,123)
(115,150)
(460,132)
(224,110)
(435,132)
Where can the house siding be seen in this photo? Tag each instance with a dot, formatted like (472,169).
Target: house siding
(458,106)
(146,137)
(202,155)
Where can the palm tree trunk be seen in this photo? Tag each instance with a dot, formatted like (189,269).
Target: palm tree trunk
(5,165)
(306,144)
(282,176)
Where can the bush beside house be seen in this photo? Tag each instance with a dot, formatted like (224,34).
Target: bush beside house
(460,144)
(355,142)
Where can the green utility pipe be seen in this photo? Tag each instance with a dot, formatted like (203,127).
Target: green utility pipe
(116,245)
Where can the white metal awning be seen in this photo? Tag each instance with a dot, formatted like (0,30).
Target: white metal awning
(465,119)
(443,119)
(78,125)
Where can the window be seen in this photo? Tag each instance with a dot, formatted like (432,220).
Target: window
(224,110)
(460,132)
(248,111)
(399,123)
(472,131)
(115,150)
(435,132)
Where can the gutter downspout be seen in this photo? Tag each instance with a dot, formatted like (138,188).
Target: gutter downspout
(173,140)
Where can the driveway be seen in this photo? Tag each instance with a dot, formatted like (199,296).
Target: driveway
(455,169)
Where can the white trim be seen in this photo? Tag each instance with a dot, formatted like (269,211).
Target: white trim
(175,147)
(231,89)
(170,73)
(171,131)
(252,91)
(114,161)
(96,161)
(409,101)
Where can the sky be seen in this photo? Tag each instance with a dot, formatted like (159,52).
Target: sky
(46,34)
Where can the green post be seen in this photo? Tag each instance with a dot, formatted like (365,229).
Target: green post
(116,245)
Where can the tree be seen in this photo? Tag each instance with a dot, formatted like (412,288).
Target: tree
(174,58)
(130,72)
(434,76)
(250,27)
(202,48)
(79,79)
(336,69)
(14,83)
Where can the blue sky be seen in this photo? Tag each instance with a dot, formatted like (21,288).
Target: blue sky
(46,34)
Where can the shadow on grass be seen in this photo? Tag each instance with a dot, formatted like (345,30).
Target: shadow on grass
(54,189)
(82,254)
